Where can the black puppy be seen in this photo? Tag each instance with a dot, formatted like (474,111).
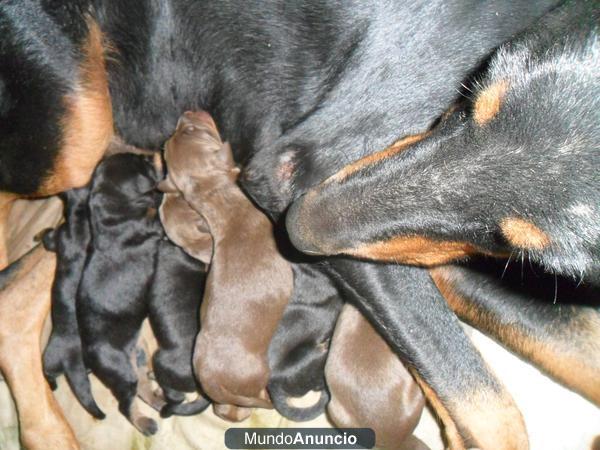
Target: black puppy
(63,352)
(119,289)
(298,350)
(112,297)
(175,298)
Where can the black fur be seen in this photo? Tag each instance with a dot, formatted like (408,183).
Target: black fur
(535,160)
(112,300)
(174,313)
(63,353)
(298,88)
(299,348)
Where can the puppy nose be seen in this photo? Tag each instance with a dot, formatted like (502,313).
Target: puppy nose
(196,118)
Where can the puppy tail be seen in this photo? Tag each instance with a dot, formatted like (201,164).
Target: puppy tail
(280,400)
(80,385)
(185,409)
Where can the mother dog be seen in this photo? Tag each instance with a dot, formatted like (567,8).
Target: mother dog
(299,89)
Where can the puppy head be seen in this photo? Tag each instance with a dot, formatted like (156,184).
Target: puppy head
(196,147)
(185,227)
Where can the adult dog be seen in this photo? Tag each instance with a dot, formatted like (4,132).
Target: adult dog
(299,89)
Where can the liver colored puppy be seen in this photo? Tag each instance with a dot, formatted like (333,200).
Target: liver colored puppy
(188,229)
(248,284)
(369,385)
(184,226)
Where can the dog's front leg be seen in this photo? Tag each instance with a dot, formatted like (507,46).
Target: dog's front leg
(407,309)
(24,305)
(6,202)
(561,337)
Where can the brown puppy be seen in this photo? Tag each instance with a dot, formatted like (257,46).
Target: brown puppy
(184,226)
(24,305)
(187,228)
(249,283)
(369,385)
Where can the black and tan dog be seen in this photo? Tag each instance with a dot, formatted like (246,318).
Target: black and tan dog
(516,172)
(248,284)
(317,84)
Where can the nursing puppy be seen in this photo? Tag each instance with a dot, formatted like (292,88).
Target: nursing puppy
(175,298)
(369,385)
(63,353)
(112,300)
(248,284)
(188,229)
(298,350)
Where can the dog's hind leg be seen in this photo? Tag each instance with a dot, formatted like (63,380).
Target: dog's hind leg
(562,339)
(407,309)
(113,367)
(24,306)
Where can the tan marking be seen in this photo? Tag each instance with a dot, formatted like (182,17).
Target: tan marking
(523,234)
(487,419)
(492,420)
(414,250)
(6,202)
(573,358)
(393,149)
(231,413)
(88,125)
(488,102)
(453,437)
(24,306)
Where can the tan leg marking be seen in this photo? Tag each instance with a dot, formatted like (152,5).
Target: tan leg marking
(24,306)
(574,360)
(6,202)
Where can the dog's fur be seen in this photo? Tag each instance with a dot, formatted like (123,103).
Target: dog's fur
(516,172)
(298,88)
(184,226)
(248,284)
(63,353)
(562,332)
(175,298)
(369,385)
(112,300)
(299,348)
(188,229)
(24,305)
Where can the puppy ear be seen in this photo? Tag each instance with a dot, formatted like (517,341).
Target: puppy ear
(203,248)
(167,186)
